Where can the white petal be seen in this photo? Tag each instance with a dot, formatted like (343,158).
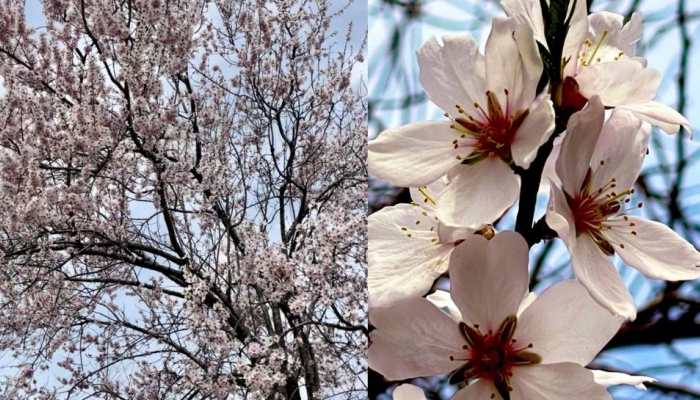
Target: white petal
(595,271)
(443,301)
(621,38)
(453,234)
(578,31)
(489,278)
(428,196)
(661,115)
(630,34)
(620,150)
(401,266)
(607,378)
(527,12)
(413,338)
(655,250)
(479,390)
(565,381)
(534,131)
(611,81)
(408,392)
(577,148)
(413,155)
(565,324)
(527,302)
(454,73)
(478,194)
(549,174)
(512,62)
(559,216)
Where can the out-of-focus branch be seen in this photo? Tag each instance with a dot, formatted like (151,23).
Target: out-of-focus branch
(669,318)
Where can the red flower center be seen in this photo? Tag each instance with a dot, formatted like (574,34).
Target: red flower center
(492,356)
(591,208)
(490,132)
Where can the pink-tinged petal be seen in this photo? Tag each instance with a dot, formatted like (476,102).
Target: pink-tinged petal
(527,12)
(577,34)
(478,194)
(489,278)
(527,302)
(512,63)
(630,34)
(413,155)
(443,301)
(413,338)
(565,324)
(452,73)
(611,81)
(661,115)
(579,144)
(534,131)
(618,37)
(559,216)
(605,21)
(404,255)
(564,381)
(595,271)
(549,174)
(428,196)
(408,392)
(654,249)
(607,378)
(479,390)
(453,234)
(620,151)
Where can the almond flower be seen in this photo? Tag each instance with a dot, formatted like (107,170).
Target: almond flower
(597,166)
(600,59)
(408,246)
(495,119)
(499,352)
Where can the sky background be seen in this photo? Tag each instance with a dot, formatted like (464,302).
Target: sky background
(398,28)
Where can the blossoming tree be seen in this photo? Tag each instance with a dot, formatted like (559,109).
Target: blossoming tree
(182,201)
(560,101)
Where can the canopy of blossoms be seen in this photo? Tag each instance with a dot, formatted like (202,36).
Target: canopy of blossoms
(549,71)
(182,201)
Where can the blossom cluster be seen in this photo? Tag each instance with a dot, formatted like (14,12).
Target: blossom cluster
(560,98)
(182,201)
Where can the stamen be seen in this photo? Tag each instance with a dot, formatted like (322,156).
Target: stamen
(423,190)
(597,47)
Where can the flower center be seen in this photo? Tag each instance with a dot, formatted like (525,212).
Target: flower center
(487,133)
(492,356)
(597,51)
(593,207)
